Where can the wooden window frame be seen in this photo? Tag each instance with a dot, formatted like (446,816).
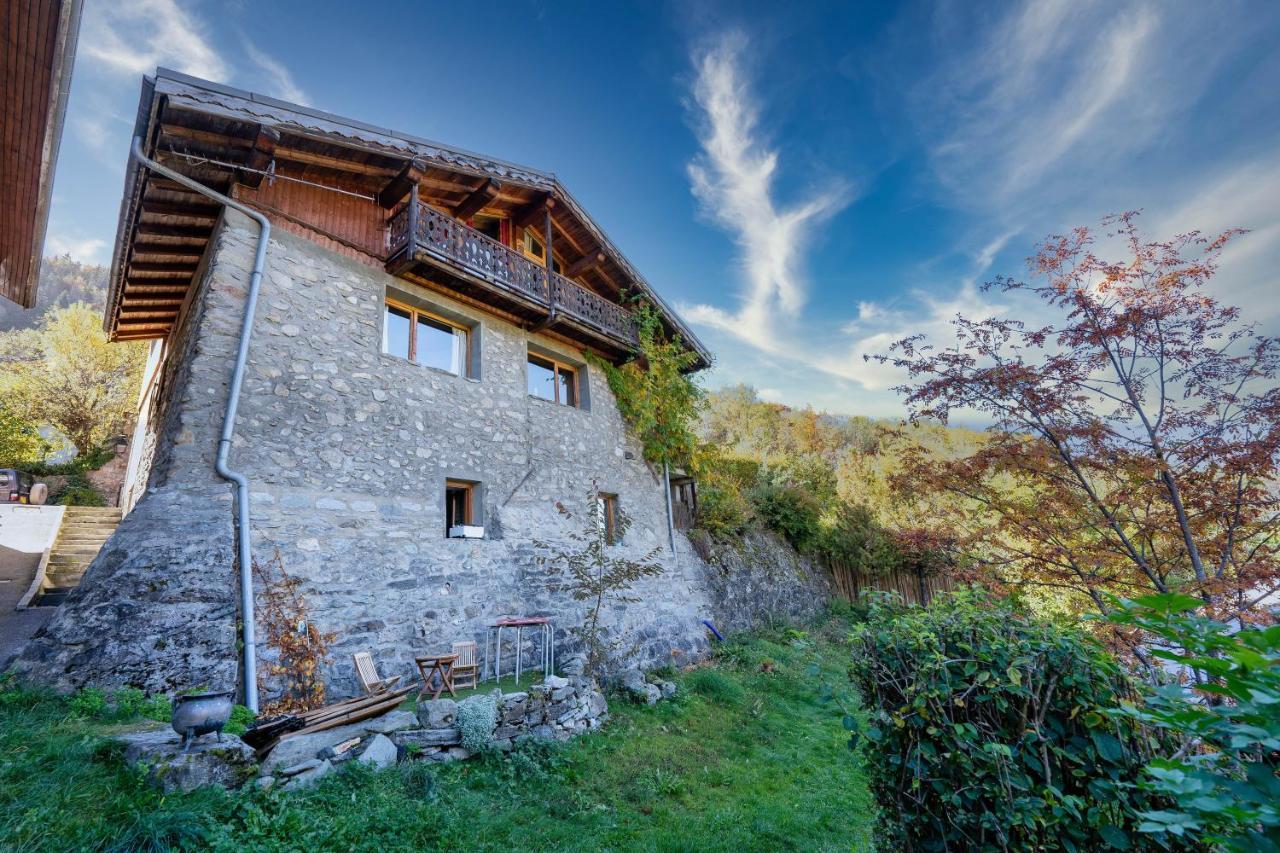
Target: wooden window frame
(468,505)
(532,234)
(612,535)
(414,314)
(557,366)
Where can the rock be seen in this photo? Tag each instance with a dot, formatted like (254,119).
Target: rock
(437,713)
(652,694)
(575,665)
(668,689)
(380,752)
(308,777)
(457,753)
(265,782)
(562,693)
(555,682)
(229,763)
(596,704)
(392,722)
(309,764)
(427,737)
(639,690)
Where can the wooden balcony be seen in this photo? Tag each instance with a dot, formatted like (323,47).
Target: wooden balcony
(427,243)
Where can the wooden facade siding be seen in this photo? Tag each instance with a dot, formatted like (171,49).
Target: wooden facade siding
(321,215)
(37,47)
(271,155)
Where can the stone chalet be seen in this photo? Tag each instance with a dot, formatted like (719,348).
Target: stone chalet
(416,401)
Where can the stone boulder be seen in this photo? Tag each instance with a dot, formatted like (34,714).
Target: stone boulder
(380,752)
(437,713)
(229,762)
(308,777)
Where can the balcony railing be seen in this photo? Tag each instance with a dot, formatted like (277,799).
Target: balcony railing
(456,244)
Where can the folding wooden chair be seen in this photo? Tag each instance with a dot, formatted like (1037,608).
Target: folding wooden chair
(465,667)
(368,674)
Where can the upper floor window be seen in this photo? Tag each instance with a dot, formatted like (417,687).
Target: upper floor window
(424,338)
(551,380)
(533,248)
(493,227)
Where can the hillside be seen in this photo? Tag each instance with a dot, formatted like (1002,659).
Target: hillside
(63,281)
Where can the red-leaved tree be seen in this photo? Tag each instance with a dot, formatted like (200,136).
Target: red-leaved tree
(1133,441)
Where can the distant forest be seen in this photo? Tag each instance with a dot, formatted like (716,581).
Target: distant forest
(62,282)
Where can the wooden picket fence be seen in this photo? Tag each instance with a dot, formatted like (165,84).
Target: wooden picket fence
(850,584)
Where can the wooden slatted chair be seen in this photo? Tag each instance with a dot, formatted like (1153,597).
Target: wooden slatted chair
(368,674)
(465,667)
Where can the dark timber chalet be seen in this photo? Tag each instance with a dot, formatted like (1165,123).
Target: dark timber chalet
(471,226)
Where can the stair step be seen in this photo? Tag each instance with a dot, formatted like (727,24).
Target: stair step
(52,598)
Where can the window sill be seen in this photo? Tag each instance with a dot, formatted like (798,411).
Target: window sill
(547,402)
(396,359)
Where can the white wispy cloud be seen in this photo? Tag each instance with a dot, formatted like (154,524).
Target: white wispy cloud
(84,249)
(135,36)
(280,80)
(734,180)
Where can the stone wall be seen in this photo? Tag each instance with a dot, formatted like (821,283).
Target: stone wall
(347,451)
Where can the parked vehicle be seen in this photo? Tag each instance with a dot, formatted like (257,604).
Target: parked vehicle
(17,487)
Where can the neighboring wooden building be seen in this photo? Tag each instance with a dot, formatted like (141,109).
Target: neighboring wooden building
(38,41)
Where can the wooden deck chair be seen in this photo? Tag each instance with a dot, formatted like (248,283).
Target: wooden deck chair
(368,674)
(465,667)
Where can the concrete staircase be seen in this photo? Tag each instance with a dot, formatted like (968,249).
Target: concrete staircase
(83,532)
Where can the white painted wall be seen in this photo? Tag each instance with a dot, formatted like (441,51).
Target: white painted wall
(30,529)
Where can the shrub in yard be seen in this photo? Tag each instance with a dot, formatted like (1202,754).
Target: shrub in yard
(789,511)
(722,509)
(1223,779)
(990,730)
(476,718)
(852,535)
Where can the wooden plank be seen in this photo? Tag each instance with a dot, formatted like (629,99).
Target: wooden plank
(479,198)
(150,267)
(398,187)
(533,211)
(155,229)
(260,156)
(583,264)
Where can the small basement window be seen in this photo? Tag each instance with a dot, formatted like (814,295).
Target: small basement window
(552,380)
(425,338)
(609,523)
(461,515)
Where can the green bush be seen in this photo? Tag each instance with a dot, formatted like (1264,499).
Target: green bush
(789,511)
(991,732)
(89,702)
(853,536)
(1223,782)
(241,718)
(722,510)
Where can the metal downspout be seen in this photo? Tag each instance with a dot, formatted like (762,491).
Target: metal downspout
(243,551)
(671,521)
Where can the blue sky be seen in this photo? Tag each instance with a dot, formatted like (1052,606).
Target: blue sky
(807,182)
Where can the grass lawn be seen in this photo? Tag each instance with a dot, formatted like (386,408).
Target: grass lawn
(742,760)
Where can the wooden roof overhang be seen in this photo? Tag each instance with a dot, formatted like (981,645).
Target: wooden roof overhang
(237,142)
(37,51)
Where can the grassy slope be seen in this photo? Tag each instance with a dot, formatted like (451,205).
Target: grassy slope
(743,760)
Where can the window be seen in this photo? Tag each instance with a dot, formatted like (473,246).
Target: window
(608,521)
(457,504)
(533,248)
(551,380)
(424,338)
(493,227)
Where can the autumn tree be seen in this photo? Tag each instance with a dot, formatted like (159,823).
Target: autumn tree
(1134,436)
(67,374)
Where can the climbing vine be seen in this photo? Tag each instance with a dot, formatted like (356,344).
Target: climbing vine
(657,392)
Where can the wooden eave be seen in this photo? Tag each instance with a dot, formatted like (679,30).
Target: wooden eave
(37,52)
(216,135)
